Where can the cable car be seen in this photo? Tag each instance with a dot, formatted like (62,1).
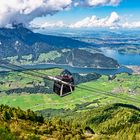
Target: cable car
(63,89)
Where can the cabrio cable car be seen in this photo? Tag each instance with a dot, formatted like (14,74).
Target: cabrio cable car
(63,89)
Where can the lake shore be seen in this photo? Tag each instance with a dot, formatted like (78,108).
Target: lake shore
(136,69)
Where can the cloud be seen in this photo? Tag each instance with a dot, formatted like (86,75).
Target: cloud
(114,21)
(131,25)
(57,24)
(24,11)
(90,22)
(95,3)
(102,2)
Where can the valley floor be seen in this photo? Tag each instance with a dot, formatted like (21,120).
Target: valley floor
(123,89)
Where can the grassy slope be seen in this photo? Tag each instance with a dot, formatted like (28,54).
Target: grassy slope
(120,88)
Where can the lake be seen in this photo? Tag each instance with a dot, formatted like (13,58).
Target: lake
(82,70)
(123,59)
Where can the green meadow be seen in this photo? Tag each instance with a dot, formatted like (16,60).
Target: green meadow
(123,89)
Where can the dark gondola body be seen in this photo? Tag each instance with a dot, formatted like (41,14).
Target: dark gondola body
(62,89)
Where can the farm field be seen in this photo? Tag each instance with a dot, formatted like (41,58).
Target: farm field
(28,92)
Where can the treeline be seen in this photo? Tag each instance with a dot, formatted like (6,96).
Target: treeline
(16,124)
(30,90)
(9,113)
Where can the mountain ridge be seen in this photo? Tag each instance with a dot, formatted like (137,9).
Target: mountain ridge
(19,39)
(21,45)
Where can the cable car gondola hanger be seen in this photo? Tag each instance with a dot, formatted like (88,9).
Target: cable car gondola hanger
(64,89)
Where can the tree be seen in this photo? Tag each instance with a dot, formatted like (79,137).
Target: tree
(6,115)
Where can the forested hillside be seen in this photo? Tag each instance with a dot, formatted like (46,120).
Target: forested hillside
(117,121)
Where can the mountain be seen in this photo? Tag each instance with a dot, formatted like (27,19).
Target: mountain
(21,45)
(83,58)
(22,41)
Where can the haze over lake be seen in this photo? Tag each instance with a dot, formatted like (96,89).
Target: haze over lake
(123,59)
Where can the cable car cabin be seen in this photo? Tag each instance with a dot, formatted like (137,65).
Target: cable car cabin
(62,89)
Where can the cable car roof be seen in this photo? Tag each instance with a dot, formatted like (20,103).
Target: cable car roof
(66,72)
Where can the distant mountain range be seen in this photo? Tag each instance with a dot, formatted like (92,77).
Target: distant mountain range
(21,45)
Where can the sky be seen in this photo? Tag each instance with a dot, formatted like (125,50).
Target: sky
(112,14)
(127,8)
